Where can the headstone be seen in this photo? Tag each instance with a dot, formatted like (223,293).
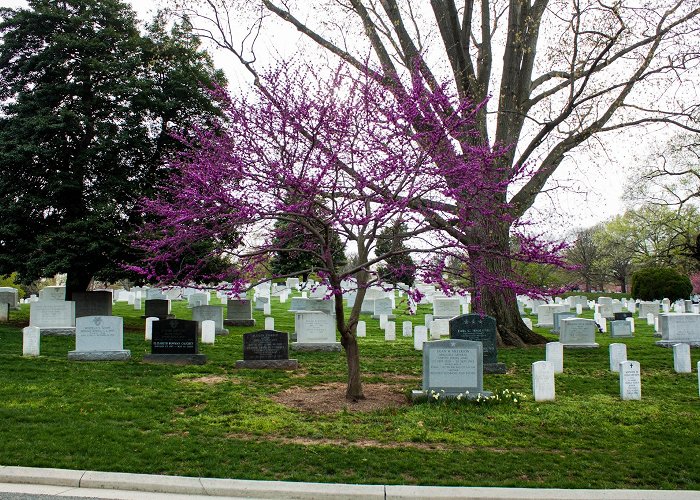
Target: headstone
(382,321)
(300,304)
(440,328)
(666,305)
(31,341)
(361,329)
(315,332)
(53,317)
(390,331)
(606,307)
(679,329)
(239,312)
(578,333)
(446,307)
(175,342)
(266,349)
(198,299)
(543,381)
(558,316)
(53,293)
(620,329)
(650,319)
(630,380)
(452,367)
(554,353)
(631,322)
(420,336)
(137,303)
(4,312)
(681,358)
(618,354)
(149,327)
(429,321)
(384,307)
(545,314)
(478,328)
(622,315)
(528,322)
(157,308)
(213,313)
(579,309)
(10,296)
(208,328)
(292,283)
(99,338)
(407,329)
(155,293)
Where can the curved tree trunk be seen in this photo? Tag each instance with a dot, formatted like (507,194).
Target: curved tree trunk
(500,302)
(354,391)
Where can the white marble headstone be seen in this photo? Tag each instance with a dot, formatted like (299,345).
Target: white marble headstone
(630,380)
(618,354)
(420,336)
(543,381)
(407,329)
(681,358)
(390,330)
(554,352)
(361,329)
(31,341)
(208,331)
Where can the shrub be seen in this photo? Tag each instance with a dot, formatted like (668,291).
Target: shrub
(660,282)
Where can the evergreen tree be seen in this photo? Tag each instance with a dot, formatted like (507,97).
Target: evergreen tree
(87,107)
(297,251)
(399,266)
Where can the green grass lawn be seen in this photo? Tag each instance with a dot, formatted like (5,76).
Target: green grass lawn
(145,418)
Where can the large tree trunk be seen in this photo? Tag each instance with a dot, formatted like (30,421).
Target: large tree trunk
(501,302)
(78,280)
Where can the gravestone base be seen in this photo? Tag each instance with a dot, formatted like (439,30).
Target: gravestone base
(176,359)
(221,331)
(63,331)
(497,368)
(671,343)
(658,334)
(594,345)
(316,346)
(418,395)
(630,336)
(268,364)
(99,355)
(545,325)
(239,322)
(169,316)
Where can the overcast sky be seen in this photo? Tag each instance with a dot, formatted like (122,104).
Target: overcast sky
(597,180)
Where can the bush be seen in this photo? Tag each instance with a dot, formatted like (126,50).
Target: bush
(660,282)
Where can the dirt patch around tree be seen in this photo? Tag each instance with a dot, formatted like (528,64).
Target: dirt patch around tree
(330,398)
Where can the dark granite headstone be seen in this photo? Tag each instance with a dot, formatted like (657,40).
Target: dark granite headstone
(622,315)
(92,303)
(478,328)
(156,308)
(239,312)
(266,349)
(175,341)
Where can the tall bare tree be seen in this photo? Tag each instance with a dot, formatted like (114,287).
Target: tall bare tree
(559,73)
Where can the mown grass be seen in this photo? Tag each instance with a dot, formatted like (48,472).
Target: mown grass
(135,417)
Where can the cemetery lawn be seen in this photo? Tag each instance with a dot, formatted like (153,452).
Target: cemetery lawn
(217,421)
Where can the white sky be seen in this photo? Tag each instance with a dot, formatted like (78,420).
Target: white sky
(597,180)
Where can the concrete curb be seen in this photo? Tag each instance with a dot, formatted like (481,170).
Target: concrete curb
(180,485)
